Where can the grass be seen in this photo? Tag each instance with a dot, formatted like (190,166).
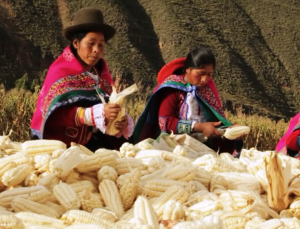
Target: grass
(17,107)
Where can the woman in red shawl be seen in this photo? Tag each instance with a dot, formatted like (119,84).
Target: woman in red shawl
(68,107)
(290,143)
(186,101)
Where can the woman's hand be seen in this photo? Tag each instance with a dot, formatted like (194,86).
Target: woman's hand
(121,125)
(208,129)
(111,111)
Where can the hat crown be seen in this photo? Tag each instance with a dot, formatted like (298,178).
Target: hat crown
(88,15)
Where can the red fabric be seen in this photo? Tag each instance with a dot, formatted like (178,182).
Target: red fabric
(171,101)
(291,141)
(61,122)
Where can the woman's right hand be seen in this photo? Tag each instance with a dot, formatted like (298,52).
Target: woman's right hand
(111,111)
(208,128)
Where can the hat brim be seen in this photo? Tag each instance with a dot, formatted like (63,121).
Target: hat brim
(107,30)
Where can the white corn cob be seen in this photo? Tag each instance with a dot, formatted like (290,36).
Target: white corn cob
(96,161)
(173,210)
(89,200)
(107,172)
(49,180)
(81,185)
(127,150)
(129,189)
(206,207)
(271,224)
(105,214)
(168,156)
(56,153)
(236,131)
(31,180)
(24,205)
(30,218)
(41,162)
(235,222)
(40,227)
(35,193)
(79,216)
(86,226)
(83,148)
(180,172)
(57,207)
(66,196)
(10,222)
(91,178)
(125,165)
(67,161)
(16,175)
(18,158)
(145,211)
(175,192)
(72,177)
(111,196)
(42,146)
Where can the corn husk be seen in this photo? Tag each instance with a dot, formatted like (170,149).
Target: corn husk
(118,98)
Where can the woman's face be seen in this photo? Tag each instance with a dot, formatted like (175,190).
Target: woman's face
(199,77)
(90,48)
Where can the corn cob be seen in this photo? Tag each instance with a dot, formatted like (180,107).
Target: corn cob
(57,207)
(41,146)
(90,178)
(30,218)
(173,210)
(34,193)
(86,226)
(168,156)
(96,161)
(105,214)
(128,191)
(155,163)
(66,196)
(67,161)
(107,172)
(16,175)
(18,158)
(145,211)
(83,149)
(217,165)
(206,207)
(7,167)
(41,162)
(31,180)
(10,222)
(56,153)
(235,222)
(89,200)
(79,216)
(121,179)
(125,165)
(127,150)
(79,186)
(49,181)
(72,177)
(271,224)
(24,205)
(291,222)
(236,131)
(40,227)
(111,196)
(175,192)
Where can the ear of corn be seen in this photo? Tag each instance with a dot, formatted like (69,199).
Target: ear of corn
(38,219)
(66,196)
(10,221)
(111,196)
(21,204)
(118,98)
(41,146)
(82,185)
(16,175)
(107,172)
(89,200)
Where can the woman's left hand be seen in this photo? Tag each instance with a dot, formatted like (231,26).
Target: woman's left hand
(121,125)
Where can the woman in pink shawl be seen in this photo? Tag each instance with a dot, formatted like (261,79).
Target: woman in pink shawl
(290,142)
(186,101)
(68,107)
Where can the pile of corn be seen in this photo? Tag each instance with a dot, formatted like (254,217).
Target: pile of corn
(46,185)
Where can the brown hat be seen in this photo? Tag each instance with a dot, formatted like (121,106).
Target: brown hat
(88,19)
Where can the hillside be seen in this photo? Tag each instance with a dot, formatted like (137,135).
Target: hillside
(256,43)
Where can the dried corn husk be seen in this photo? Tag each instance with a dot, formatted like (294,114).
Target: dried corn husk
(118,98)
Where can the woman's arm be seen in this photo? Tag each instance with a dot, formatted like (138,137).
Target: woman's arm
(169,109)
